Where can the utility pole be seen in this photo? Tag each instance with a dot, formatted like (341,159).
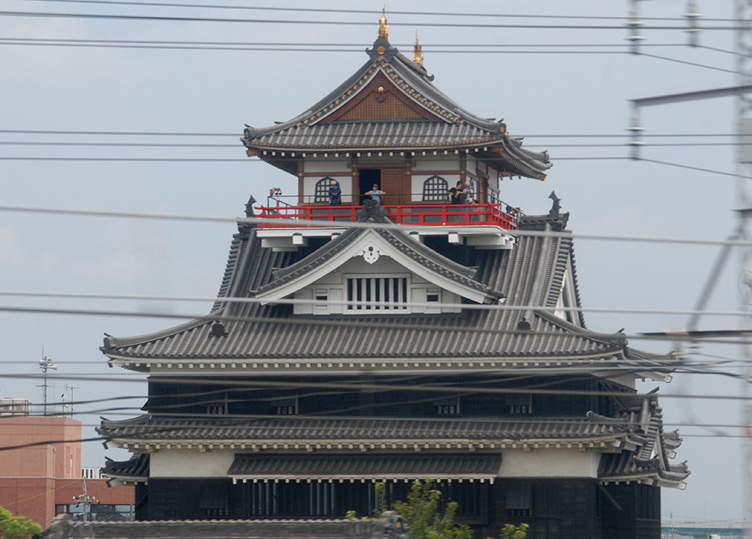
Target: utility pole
(744,168)
(743,89)
(85,500)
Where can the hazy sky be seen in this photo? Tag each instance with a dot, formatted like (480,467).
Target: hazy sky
(569,95)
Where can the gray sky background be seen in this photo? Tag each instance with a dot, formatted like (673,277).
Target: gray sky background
(551,95)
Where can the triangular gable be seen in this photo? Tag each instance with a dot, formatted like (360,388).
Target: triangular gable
(568,301)
(380,99)
(371,245)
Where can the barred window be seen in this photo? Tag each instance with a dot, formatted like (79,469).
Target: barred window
(377,293)
(435,188)
(321,194)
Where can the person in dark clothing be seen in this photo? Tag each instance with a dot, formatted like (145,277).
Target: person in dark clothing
(457,193)
(335,194)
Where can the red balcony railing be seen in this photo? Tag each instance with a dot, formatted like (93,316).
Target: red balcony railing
(404,214)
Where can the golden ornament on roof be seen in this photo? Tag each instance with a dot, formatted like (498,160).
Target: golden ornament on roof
(383,26)
(417,51)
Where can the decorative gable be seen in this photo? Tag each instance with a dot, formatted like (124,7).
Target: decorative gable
(376,270)
(380,99)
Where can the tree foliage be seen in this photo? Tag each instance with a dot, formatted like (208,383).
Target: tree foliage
(12,527)
(423,513)
(510,531)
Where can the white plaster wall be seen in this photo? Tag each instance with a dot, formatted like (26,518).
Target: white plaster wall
(326,166)
(190,463)
(436,162)
(549,463)
(383,266)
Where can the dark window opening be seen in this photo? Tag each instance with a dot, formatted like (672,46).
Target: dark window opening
(367,178)
(321,193)
(435,188)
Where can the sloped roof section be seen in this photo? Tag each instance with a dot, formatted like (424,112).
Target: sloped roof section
(391,104)
(649,462)
(367,467)
(291,429)
(131,471)
(270,336)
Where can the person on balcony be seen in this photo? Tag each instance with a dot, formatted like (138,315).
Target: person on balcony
(335,194)
(457,193)
(375,193)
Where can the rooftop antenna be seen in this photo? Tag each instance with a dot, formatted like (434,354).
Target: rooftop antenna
(69,406)
(45,364)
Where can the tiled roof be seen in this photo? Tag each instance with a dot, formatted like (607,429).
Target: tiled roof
(136,469)
(633,444)
(342,429)
(389,526)
(530,274)
(649,462)
(380,467)
(446,125)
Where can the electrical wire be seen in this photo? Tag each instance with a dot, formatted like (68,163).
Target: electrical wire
(372,12)
(685,62)
(286,301)
(236,135)
(373,226)
(420,24)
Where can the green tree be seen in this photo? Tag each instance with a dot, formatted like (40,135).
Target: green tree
(422,512)
(17,527)
(510,531)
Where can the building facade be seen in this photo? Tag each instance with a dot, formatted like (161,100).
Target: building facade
(371,331)
(41,474)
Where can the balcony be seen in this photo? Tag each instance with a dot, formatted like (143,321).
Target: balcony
(421,214)
(483,226)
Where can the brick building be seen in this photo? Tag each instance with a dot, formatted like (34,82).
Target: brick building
(41,473)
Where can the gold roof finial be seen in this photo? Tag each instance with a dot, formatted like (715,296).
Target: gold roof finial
(417,51)
(383,27)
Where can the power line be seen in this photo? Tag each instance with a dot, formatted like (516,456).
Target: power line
(247,160)
(237,146)
(207,299)
(420,24)
(341,224)
(685,62)
(372,12)
(237,134)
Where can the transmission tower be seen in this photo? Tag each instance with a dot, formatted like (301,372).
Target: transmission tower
(744,197)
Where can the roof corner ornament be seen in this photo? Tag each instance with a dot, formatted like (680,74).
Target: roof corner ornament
(218,330)
(418,51)
(556,206)
(249,207)
(383,26)
(381,47)
(371,210)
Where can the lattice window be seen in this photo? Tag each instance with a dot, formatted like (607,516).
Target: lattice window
(377,294)
(435,188)
(321,194)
